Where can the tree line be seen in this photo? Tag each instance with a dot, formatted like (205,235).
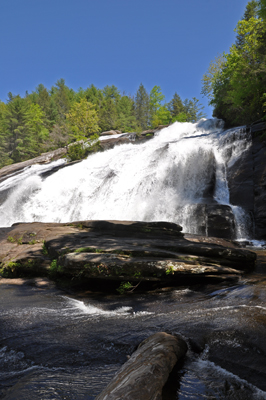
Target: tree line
(47,119)
(235,82)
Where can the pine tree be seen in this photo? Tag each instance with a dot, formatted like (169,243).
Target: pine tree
(142,107)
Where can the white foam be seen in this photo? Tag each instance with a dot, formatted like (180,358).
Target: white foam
(162,179)
(216,369)
(89,309)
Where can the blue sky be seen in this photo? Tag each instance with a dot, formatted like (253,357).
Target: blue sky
(168,43)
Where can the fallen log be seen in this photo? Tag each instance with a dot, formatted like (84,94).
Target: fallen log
(144,375)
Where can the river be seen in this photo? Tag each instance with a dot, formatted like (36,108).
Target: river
(57,345)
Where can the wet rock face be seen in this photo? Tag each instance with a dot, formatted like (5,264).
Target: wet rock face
(247,185)
(259,173)
(220,221)
(240,181)
(143,376)
(215,220)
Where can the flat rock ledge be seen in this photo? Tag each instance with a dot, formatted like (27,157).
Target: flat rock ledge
(143,376)
(139,253)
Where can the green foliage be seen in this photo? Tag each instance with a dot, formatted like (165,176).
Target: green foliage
(176,106)
(80,150)
(161,117)
(170,270)
(142,107)
(160,114)
(108,115)
(88,250)
(211,75)
(262,9)
(55,268)
(193,109)
(10,270)
(124,287)
(44,249)
(45,120)
(76,151)
(11,239)
(181,117)
(236,85)
(83,120)
(156,98)
(185,111)
(126,118)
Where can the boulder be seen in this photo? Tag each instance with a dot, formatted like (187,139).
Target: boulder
(220,221)
(214,220)
(154,253)
(143,376)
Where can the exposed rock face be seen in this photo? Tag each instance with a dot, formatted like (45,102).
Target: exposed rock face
(143,376)
(247,185)
(259,174)
(215,220)
(139,252)
(111,142)
(42,159)
(111,132)
(240,181)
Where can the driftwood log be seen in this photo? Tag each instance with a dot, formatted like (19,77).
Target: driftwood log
(144,375)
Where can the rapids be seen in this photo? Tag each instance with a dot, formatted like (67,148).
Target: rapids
(58,346)
(163,179)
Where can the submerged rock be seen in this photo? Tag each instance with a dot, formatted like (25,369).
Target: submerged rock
(143,376)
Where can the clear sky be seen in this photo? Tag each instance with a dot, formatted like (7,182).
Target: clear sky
(168,43)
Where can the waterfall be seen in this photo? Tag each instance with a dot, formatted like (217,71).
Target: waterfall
(164,179)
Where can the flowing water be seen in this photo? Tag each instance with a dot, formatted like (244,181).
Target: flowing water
(55,345)
(163,179)
(58,346)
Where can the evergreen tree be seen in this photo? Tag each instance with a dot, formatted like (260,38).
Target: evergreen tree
(61,100)
(176,106)
(142,107)
(156,98)
(4,144)
(193,110)
(161,117)
(108,115)
(126,119)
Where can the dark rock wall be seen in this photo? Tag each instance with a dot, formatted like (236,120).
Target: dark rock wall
(259,179)
(247,185)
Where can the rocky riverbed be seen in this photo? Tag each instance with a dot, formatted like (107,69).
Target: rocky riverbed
(107,253)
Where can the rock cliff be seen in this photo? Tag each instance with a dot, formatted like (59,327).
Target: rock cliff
(247,185)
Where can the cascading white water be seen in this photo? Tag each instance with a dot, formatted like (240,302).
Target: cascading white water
(163,179)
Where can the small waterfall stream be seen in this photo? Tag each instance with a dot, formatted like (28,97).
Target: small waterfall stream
(165,179)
